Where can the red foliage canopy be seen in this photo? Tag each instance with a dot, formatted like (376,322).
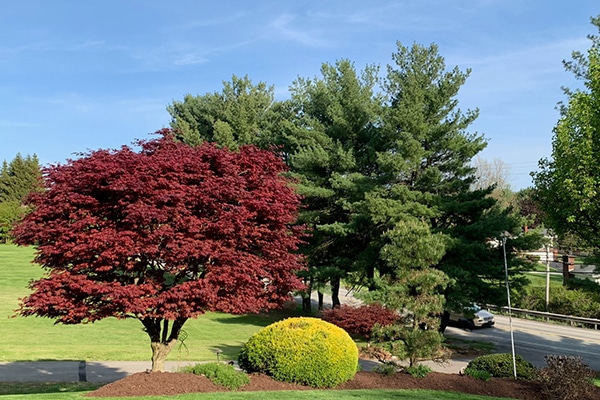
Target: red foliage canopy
(167,232)
(362,319)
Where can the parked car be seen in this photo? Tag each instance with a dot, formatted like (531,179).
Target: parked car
(472,317)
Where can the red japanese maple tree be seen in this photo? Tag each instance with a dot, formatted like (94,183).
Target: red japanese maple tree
(162,234)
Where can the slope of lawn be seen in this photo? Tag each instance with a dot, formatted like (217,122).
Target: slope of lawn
(31,338)
(539,280)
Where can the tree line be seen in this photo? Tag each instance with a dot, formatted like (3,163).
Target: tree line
(384,168)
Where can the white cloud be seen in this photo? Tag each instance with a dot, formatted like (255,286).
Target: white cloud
(189,59)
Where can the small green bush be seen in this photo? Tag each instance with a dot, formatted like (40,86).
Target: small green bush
(418,371)
(565,378)
(405,342)
(302,350)
(478,374)
(385,369)
(501,366)
(220,374)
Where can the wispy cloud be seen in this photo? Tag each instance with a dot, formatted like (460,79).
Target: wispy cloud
(518,70)
(200,23)
(141,105)
(68,101)
(17,124)
(286,27)
(392,16)
(189,59)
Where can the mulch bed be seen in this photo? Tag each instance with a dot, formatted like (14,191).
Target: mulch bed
(172,383)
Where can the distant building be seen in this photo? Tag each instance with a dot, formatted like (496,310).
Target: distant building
(586,272)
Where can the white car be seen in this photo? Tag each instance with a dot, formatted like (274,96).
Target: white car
(473,317)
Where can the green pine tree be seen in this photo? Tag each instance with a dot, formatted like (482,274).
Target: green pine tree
(18,178)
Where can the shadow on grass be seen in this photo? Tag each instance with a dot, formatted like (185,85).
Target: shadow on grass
(263,318)
(7,388)
(225,352)
(55,375)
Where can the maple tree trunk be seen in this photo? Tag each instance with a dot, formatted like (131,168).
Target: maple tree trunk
(160,351)
(161,340)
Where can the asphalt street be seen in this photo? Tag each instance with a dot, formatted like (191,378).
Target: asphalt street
(535,339)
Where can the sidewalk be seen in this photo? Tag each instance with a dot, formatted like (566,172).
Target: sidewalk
(110,371)
(77,371)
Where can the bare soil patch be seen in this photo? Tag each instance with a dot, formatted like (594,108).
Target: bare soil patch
(171,383)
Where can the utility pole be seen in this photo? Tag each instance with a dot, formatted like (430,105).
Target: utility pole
(512,337)
(547,277)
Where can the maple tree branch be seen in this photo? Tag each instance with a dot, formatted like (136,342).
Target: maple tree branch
(165,330)
(177,325)
(152,327)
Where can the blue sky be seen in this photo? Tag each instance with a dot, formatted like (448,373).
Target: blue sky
(79,75)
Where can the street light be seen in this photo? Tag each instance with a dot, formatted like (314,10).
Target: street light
(512,338)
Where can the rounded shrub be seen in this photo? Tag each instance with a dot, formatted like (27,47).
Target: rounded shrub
(501,366)
(565,378)
(302,350)
(220,374)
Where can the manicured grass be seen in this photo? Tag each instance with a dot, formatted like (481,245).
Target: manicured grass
(539,280)
(464,344)
(26,339)
(288,395)
(8,388)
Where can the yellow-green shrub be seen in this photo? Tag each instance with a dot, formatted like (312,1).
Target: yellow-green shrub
(302,350)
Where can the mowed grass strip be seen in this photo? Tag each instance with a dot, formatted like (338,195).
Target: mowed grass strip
(31,338)
(539,280)
(9,388)
(383,394)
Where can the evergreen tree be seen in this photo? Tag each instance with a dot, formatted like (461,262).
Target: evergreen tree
(237,116)
(18,178)
(333,155)
(10,212)
(428,164)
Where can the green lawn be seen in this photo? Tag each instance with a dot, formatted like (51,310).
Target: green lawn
(25,339)
(289,395)
(539,280)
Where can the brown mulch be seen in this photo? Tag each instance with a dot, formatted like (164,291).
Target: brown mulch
(172,383)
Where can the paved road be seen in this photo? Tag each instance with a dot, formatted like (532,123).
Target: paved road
(534,340)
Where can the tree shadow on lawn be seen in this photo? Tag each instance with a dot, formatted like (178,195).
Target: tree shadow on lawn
(21,388)
(260,319)
(50,376)
(225,352)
